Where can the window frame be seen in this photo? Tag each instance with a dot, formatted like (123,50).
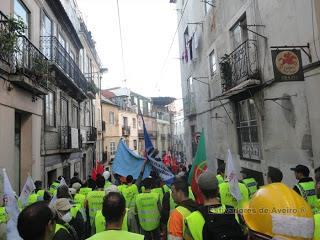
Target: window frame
(113,118)
(67,113)
(213,64)
(53,109)
(28,13)
(134,123)
(246,121)
(73,123)
(112,146)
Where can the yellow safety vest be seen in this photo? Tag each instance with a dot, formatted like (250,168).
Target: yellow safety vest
(121,187)
(158,191)
(95,200)
(100,222)
(173,204)
(3,215)
(129,193)
(53,188)
(40,194)
(251,185)
(166,188)
(85,191)
(32,198)
(191,196)
(107,184)
(219,178)
(59,226)
(115,235)
(308,192)
(316,227)
(185,213)
(74,210)
(148,212)
(226,197)
(80,199)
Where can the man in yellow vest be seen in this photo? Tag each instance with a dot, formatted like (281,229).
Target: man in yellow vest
(226,197)
(148,209)
(78,197)
(114,209)
(249,182)
(130,192)
(106,175)
(220,174)
(180,195)
(95,199)
(306,187)
(197,224)
(37,221)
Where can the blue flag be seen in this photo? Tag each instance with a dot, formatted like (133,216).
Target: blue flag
(164,173)
(127,162)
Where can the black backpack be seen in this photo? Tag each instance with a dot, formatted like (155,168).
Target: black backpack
(221,226)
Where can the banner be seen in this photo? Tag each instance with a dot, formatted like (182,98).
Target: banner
(127,162)
(28,188)
(232,178)
(12,209)
(164,173)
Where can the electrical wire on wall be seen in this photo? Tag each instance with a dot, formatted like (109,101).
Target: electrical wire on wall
(121,44)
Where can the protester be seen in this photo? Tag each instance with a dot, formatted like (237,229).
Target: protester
(114,208)
(214,220)
(77,214)
(148,208)
(78,197)
(75,179)
(91,183)
(54,185)
(185,206)
(95,199)
(274,175)
(130,192)
(249,182)
(37,222)
(306,187)
(64,231)
(220,174)
(85,189)
(107,177)
(284,214)
(228,199)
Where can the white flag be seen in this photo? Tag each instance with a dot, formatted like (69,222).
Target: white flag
(12,209)
(232,178)
(54,198)
(28,188)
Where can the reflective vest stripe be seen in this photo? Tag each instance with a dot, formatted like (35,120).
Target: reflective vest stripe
(307,191)
(251,184)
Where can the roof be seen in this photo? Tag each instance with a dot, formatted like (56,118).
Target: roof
(107,101)
(107,94)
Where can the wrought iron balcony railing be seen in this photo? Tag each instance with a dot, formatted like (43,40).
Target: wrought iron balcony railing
(240,65)
(59,56)
(91,134)
(125,131)
(69,137)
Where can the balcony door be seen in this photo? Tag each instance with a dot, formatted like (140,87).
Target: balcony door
(46,32)
(64,113)
(239,32)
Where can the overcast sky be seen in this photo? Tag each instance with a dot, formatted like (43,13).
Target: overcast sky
(148,27)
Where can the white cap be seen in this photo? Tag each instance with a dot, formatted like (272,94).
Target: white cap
(111,188)
(106,175)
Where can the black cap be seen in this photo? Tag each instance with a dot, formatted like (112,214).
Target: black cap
(301,169)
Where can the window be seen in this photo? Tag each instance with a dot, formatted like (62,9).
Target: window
(62,41)
(125,121)
(248,130)
(135,145)
(75,111)
(112,148)
(134,123)
(239,33)
(87,114)
(190,85)
(21,11)
(46,27)
(50,112)
(213,63)
(64,112)
(111,118)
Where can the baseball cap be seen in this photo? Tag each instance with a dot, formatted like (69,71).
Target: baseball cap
(208,181)
(76,186)
(301,169)
(62,204)
(106,175)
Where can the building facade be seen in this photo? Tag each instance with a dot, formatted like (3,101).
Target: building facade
(230,90)
(178,142)
(52,65)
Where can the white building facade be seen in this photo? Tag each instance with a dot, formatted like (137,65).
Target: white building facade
(230,90)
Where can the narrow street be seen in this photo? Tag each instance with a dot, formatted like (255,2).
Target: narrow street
(162,119)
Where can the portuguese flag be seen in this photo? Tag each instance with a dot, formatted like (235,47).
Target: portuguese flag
(198,166)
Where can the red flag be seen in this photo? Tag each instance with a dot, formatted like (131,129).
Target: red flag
(99,169)
(199,165)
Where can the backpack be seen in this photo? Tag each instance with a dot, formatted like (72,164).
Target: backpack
(221,226)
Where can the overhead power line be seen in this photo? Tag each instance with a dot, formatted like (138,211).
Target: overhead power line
(121,43)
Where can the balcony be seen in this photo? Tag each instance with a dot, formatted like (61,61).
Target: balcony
(152,134)
(125,131)
(240,69)
(189,105)
(21,61)
(91,134)
(92,89)
(69,138)
(65,68)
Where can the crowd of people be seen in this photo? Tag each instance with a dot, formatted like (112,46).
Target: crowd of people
(128,208)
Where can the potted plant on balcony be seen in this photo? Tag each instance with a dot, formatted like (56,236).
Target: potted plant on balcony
(226,72)
(92,88)
(10,30)
(39,70)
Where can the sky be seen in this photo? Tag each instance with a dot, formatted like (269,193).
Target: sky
(148,27)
